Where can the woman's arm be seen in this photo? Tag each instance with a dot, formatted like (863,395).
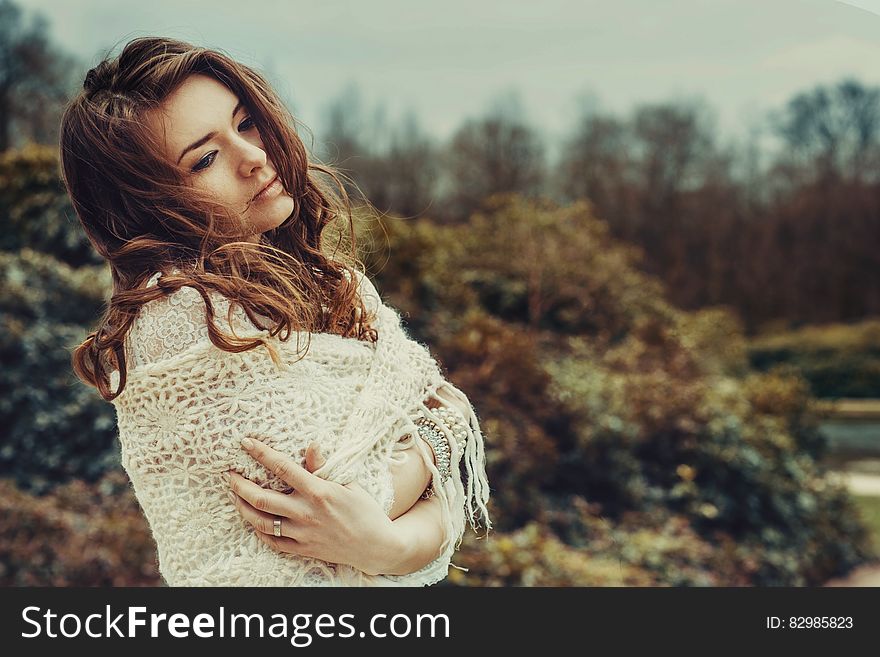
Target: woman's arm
(416,530)
(395,546)
(419,534)
(336,523)
(417,523)
(410,477)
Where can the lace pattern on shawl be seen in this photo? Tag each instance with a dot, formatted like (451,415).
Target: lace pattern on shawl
(178,478)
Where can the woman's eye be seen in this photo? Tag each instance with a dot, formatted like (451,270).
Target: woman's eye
(206,161)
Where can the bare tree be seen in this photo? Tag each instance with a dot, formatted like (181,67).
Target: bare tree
(392,162)
(832,132)
(593,165)
(343,133)
(412,168)
(672,143)
(35,79)
(498,153)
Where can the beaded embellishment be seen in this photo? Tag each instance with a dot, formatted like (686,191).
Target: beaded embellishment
(437,438)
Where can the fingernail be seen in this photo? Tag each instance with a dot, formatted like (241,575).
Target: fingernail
(247,443)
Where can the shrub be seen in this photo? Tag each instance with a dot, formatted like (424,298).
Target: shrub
(838,360)
(35,209)
(590,386)
(628,441)
(55,427)
(78,535)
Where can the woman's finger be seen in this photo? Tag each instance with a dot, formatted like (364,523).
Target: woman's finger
(283,466)
(281,544)
(288,545)
(263,499)
(314,458)
(264,522)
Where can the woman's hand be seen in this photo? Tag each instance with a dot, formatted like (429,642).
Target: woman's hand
(320,518)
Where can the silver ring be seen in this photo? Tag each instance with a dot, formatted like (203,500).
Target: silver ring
(277,526)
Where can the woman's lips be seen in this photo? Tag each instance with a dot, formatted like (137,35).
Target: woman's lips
(272,189)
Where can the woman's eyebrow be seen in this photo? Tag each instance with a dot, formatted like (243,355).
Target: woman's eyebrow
(207,137)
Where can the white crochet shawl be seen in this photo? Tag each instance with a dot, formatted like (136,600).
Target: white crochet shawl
(187,404)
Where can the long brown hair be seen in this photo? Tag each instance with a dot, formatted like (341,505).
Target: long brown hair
(141,217)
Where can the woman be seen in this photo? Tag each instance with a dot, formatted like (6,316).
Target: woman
(189,179)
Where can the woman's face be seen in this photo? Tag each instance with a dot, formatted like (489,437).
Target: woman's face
(208,134)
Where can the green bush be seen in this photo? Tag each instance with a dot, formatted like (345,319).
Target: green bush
(838,360)
(78,535)
(55,427)
(623,554)
(589,385)
(35,210)
(628,442)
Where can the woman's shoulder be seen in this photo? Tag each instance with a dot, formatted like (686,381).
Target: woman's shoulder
(183,302)
(367,290)
(170,324)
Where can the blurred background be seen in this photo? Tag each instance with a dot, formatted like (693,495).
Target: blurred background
(641,236)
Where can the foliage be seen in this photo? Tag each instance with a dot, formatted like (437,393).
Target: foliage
(54,426)
(589,385)
(628,441)
(79,535)
(869,510)
(37,78)
(35,210)
(838,360)
(645,549)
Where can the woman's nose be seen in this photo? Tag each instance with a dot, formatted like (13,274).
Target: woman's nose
(252,157)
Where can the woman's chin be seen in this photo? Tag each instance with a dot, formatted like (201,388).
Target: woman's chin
(277,218)
(288,214)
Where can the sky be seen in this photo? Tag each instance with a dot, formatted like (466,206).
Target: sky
(453,60)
